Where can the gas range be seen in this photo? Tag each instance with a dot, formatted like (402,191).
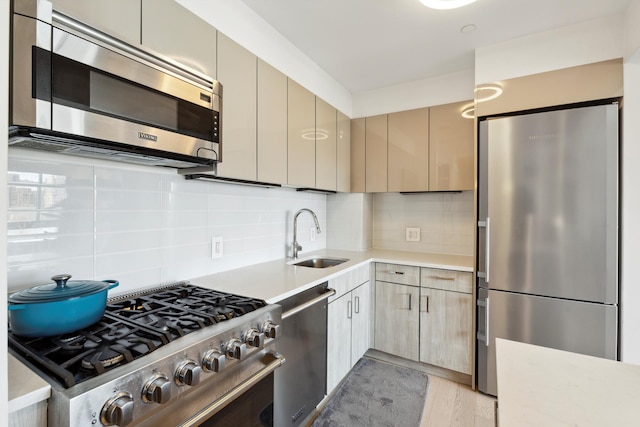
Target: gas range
(151,349)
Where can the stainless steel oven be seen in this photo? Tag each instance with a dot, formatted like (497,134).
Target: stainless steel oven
(78,91)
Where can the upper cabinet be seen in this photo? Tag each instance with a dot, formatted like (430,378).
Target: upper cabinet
(358,166)
(376,154)
(119,18)
(272,124)
(451,166)
(343,162)
(301,144)
(326,144)
(237,71)
(172,30)
(409,150)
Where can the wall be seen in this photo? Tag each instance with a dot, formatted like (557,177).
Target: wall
(241,24)
(350,221)
(4,119)
(140,225)
(445,221)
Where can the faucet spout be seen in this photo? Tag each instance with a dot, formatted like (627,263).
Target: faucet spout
(296,246)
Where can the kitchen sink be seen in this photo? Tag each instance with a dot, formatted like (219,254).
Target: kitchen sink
(321,262)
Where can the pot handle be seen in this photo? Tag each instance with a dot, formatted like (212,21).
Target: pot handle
(17,307)
(113,284)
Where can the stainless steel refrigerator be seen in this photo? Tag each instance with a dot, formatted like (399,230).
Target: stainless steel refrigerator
(548,233)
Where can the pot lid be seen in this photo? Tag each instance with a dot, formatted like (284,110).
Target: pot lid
(62,289)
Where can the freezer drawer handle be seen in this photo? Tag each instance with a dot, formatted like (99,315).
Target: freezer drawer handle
(484,337)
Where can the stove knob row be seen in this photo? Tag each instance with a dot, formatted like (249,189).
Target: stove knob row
(270,329)
(253,338)
(157,390)
(235,349)
(188,373)
(118,411)
(213,361)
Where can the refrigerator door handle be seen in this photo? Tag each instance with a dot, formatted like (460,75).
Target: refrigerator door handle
(486,251)
(484,337)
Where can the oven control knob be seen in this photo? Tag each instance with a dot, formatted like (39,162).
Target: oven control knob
(157,389)
(213,361)
(188,373)
(118,411)
(235,349)
(254,338)
(270,329)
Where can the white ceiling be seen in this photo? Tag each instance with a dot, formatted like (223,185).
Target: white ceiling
(368,44)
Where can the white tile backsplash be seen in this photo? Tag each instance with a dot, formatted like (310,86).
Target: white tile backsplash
(140,225)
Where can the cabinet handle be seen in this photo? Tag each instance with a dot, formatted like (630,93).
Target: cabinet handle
(409,302)
(395,272)
(357,305)
(426,304)
(349,310)
(443,278)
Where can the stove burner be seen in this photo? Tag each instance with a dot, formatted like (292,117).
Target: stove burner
(103,358)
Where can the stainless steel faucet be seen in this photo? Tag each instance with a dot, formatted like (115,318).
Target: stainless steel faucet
(296,246)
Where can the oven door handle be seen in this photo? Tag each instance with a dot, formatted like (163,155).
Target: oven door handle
(330,292)
(219,404)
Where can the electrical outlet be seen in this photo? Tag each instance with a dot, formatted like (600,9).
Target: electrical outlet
(412,234)
(312,234)
(216,247)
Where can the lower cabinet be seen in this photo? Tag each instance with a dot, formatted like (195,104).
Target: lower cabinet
(347,332)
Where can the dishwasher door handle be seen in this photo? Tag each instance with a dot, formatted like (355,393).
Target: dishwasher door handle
(316,300)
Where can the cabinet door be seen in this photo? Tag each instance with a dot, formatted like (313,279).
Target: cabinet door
(445,329)
(272,124)
(360,321)
(326,154)
(174,31)
(237,68)
(376,154)
(358,155)
(119,18)
(344,153)
(409,150)
(451,138)
(396,319)
(301,146)
(338,340)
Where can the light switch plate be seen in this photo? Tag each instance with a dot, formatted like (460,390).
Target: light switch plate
(412,234)
(216,247)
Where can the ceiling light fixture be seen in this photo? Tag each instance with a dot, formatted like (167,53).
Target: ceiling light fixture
(468,29)
(487,92)
(469,111)
(445,4)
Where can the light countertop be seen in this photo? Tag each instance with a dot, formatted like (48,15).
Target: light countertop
(271,281)
(539,386)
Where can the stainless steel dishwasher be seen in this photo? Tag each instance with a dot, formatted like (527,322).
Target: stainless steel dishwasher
(300,384)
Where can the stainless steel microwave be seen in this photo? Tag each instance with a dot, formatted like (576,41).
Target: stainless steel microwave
(78,91)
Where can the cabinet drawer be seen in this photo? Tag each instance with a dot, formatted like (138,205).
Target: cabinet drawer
(448,280)
(349,281)
(394,273)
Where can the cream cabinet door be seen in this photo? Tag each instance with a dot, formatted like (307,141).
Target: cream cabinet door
(272,124)
(326,145)
(237,68)
(360,321)
(339,312)
(358,161)
(451,165)
(119,18)
(301,145)
(397,319)
(343,183)
(445,329)
(173,30)
(376,154)
(409,150)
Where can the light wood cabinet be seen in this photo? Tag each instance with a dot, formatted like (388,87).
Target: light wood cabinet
(326,145)
(409,150)
(451,136)
(237,69)
(445,329)
(348,323)
(190,41)
(358,155)
(397,319)
(343,162)
(118,18)
(301,143)
(376,154)
(272,124)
